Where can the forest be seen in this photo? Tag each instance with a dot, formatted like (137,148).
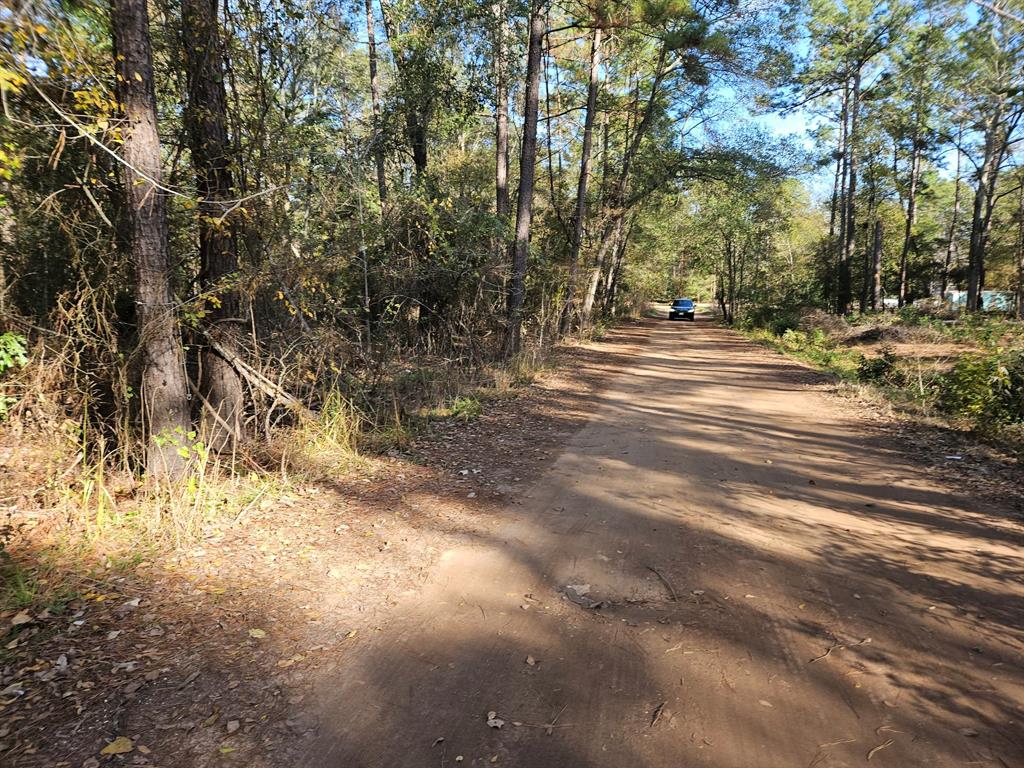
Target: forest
(343,423)
(220,219)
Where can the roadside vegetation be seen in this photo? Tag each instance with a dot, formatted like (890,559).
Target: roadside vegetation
(968,372)
(249,247)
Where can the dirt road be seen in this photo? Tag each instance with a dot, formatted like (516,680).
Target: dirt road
(722,568)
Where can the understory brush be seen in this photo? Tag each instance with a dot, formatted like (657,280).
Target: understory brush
(966,370)
(69,459)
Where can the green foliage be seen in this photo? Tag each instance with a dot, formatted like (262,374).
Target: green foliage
(985,390)
(883,369)
(466,408)
(13,354)
(814,347)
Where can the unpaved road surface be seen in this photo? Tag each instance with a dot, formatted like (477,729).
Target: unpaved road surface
(775,585)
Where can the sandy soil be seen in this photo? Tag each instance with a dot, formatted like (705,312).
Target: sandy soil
(679,550)
(722,568)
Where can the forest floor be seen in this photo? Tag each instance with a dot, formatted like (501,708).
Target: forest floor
(678,549)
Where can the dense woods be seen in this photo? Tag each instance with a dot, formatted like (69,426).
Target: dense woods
(218,218)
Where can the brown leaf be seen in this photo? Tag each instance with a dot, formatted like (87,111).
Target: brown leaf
(122,745)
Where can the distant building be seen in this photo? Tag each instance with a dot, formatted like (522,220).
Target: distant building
(1000,300)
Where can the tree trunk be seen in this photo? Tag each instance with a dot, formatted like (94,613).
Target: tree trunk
(951,245)
(206,120)
(911,218)
(610,237)
(164,389)
(844,134)
(980,213)
(876,266)
(834,212)
(378,147)
(579,219)
(527,170)
(615,270)
(1020,252)
(845,288)
(501,199)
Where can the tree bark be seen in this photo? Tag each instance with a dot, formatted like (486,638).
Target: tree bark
(611,290)
(844,133)
(876,266)
(579,219)
(206,120)
(502,205)
(608,241)
(378,147)
(911,218)
(981,213)
(951,245)
(1020,253)
(844,292)
(527,171)
(164,387)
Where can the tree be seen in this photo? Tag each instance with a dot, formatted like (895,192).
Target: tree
(164,391)
(579,217)
(993,90)
(527,171)
(206,118)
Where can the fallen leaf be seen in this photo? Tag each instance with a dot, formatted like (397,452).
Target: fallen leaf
(494,721)
(22,617)
(257,633)
(233,725)
(531,661)
(764,703)
(143,749)
(227,750)
(122,745)
(14,689)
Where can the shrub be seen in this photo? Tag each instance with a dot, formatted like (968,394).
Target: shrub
(987,390)
(13,354)
(466,408)
(883,369)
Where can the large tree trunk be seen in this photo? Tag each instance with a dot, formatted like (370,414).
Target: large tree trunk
(834,209)
(1020,253)
(164,390)
(951,245)
(206,119)
(527,171)
(579,220)
(876,266)
(844,133)
(844,293)
(911,219)
(378,146)
(981,211)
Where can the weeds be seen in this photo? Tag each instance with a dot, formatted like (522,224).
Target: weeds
(981,387)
